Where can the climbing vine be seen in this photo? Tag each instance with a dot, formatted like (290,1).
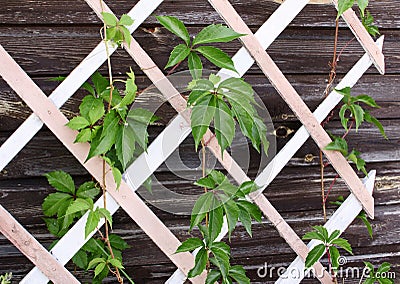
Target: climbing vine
(117,136)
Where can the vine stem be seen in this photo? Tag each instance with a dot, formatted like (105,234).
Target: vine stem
(332,76)
(104,187)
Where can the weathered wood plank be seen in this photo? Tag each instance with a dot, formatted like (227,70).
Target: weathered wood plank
(30,12)
(51,49)
(44,152)
(382,88)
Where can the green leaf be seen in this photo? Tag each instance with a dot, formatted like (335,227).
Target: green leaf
(78,123)
(61,181)
(126,35)
(109,19)
(358,114)
(215,33)
(107,137)
(95,261)
(247,187)
(335,255)
(80,259)
(100,82)
(78,205)
(232,214)
(83,136)
(342,116)
(130,93)
(344,5)
(253,209)
(367,21)
(245,218)
(217,57)
(125,145)
(190,245)
(344,244)
(88,190)
(214,79)
(200,208)
(385,281)
(104,213)
(366,222)
(260,135)
(383,268)
(314,255)
(354,156)
(339,144)
(221,252)
(201,117)
(117,242)
(362,4)
(322,230)
(139,119)
(313,235)
(99,268)
(115,100)
(92,222)
(126,20)
(116,263)
(178,54)
(52,225)
(369,118)
(224,125)
(213,276)
(195,65)
(117,176)
(92,109)
(199,263)
(202,85)
(238,273)
(216,220)
(366,100)
(207,182)
(346,93)
(334,235)
(218,177)
(175,26)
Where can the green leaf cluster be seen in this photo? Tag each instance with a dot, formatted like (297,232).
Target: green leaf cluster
(221,103)
(328,243)
(191,49)
(380,275)
(362,215)
(6,278)
(340,144)
(114,134)
(68,204)
(117,30)
(222,198)
(95,255)
(344,5)
(218,254)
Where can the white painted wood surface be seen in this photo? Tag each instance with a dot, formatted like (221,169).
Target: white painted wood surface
(340,220)
(14,144)
(300,137)
(242,56)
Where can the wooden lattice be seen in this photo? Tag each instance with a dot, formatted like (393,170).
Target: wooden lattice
(50,265)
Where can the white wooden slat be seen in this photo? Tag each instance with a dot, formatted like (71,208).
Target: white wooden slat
(14,144)
(140,213)
(142,168)
(300,137)
(340,220)
(293,99)
(266,35)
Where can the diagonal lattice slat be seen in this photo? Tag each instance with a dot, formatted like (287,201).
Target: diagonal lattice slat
(128,200)
(236,173)
(289,94)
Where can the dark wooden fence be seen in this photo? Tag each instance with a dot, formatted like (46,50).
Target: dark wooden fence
(49,38)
